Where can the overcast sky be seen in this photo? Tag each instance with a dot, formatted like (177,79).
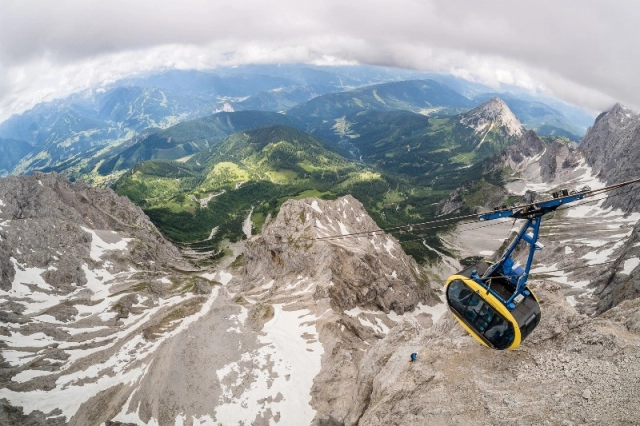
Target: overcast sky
(584,52)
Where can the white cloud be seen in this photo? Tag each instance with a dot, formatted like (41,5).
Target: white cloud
(580,51)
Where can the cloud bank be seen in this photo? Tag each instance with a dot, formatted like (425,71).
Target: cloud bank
(580,51)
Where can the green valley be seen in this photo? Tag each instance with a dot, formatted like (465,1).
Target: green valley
(400,165)
(253,171)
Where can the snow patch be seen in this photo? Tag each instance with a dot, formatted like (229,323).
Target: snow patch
(19,340)
(28,284)
(238,320)
(222,277)
(17,358)
(388,245)
(27,276)
(96,282)
(247,225)
(289,337)
(343,229)
(314,205)
(558,276)
(103,241)
(597,257)
(630,265)
(26,375)
(320,225)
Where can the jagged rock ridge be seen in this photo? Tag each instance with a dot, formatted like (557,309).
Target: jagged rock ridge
(89,291)
(611,148)
(358,274)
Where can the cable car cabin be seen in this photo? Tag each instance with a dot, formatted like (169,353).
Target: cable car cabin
(492,300)
(482,308)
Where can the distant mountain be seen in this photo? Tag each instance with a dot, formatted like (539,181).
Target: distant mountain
(493,113)
(64,131)
(186,138)
(11,152)
(417,96)
(238,82)
(424,148)
(279,99)
(68,129)
(539,116)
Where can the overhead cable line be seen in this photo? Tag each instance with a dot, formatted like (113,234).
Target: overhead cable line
(420,237)
(409,227)
(553,271)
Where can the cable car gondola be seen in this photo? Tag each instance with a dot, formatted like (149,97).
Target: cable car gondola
(491,300)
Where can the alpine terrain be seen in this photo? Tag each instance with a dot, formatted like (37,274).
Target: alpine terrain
(284,263)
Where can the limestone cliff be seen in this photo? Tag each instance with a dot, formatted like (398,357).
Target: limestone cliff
(612,148)
(368,270)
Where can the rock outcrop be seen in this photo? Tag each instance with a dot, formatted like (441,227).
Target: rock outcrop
(620,280)
(572,370)
(368,269)
(88,289)
(493,113)
(330,262)
(314,324)
(611,148)
(45,219)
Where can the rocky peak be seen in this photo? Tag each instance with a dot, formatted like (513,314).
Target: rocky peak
(540,161)
(610,147)
(48,222)
(493,113)
(370,270)
(527,146)
(618,112)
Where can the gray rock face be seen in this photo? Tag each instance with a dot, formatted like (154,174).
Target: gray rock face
(302,240)
(457,381)
(85,279)
(533,159)
(612,148)
(620,281)
(42,218)
(527,146)
(528,159)
(493,113)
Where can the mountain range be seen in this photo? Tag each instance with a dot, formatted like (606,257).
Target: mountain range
(63,135)
(281,265)
(415,162)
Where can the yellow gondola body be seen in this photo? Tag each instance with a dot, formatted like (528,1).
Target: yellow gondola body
(492,300)
(483,315)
